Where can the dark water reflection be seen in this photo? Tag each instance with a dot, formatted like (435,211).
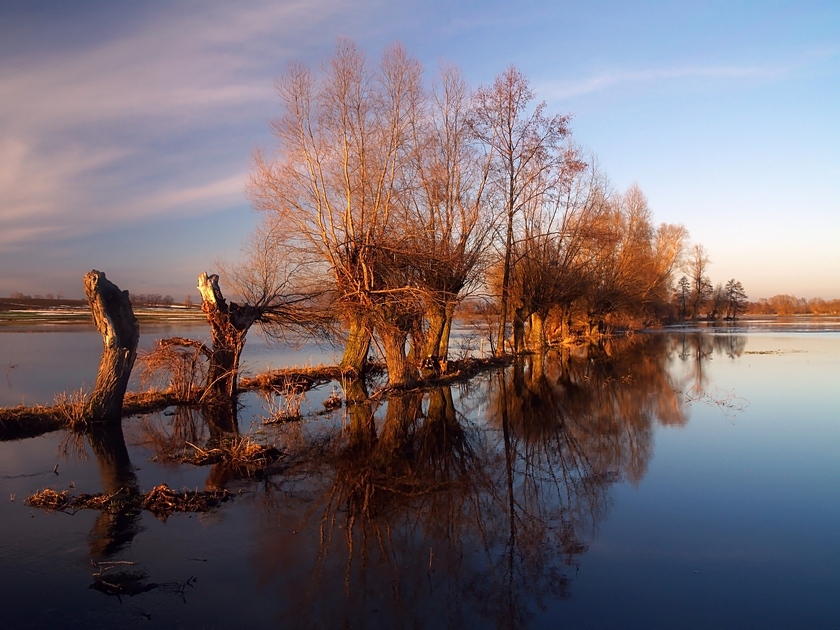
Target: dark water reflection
(113,530)
(468,505)
(428,517)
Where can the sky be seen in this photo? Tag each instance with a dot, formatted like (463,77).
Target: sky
(128,129)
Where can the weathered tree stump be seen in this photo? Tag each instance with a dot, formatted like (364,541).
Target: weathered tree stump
(114,317)
(229,324)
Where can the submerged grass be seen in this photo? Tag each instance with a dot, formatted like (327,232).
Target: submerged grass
(240,452)
(160,500)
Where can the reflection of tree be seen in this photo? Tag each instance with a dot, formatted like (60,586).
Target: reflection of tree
(212,426)
(699,347)
(112,531)
(732,346)
(220,413)
(427,517)
(572,425)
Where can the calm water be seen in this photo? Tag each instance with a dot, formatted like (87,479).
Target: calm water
(681,479)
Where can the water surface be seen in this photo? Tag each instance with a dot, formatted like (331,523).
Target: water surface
(681,479)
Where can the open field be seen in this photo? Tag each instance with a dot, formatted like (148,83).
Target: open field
(69,311)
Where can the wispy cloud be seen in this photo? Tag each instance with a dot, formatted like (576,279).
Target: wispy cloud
(161,119)
(603,81)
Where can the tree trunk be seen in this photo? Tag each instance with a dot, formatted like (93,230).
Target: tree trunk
(436,346)
(500,349)
(358,344)
(537,337)
(229,324)
(443,349)
(429,357)
(400,372)
(436,316)
(120,331)
(519,318)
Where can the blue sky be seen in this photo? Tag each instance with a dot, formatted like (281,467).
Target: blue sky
(127,129)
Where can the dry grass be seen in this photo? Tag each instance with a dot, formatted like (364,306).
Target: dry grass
(72,408)
(294,378)
(177,366)
(18,423)
(146,402)
(160,501)
(241,453)
(334,400)
(283,404)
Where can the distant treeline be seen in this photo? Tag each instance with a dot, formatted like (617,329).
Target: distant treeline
(776,305)
(792,305)
(19,299)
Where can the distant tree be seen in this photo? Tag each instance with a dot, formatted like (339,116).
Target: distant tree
(784,304)
(736,299)
(682,295)
(718,302)
(696,267)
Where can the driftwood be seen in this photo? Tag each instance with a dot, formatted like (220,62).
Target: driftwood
(120,331)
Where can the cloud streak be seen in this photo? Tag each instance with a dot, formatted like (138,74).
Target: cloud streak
(604,81)
(161,119)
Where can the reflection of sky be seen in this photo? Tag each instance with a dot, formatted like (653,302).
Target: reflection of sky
(37,364)
(739,509)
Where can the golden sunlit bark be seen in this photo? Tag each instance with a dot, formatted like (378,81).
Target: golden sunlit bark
(115,320)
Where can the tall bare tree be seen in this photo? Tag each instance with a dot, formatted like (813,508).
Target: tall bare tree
(447,225)
(525,146)
(345,142)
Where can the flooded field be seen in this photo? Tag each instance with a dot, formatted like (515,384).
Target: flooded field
(674,479)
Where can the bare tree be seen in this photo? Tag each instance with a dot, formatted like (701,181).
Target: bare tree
(525,147)
(682,294)
(273,292)
(552,252)
(630,280)
(347,156)
(448,229)
(697,267)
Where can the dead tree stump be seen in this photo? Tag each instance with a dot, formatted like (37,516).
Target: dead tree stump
(114,317)
(229,324)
